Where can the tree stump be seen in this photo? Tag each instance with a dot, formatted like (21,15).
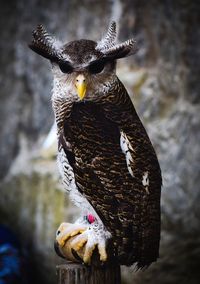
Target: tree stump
(75,273)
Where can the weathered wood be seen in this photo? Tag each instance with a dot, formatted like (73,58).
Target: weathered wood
(74,273)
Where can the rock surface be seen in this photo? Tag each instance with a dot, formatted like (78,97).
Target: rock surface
(164,77)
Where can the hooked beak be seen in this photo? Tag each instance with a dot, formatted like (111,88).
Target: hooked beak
(81,86)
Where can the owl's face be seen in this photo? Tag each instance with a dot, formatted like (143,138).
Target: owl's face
(84,71)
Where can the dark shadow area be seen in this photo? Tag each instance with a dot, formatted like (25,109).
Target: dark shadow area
(163,81)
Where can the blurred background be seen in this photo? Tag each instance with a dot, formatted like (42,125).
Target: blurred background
(163,81)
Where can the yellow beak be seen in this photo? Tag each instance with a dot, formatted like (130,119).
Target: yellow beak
(81,86)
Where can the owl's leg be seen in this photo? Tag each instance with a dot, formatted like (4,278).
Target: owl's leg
(83,237)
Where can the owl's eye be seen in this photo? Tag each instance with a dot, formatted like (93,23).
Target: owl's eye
(65,67)
(96,67)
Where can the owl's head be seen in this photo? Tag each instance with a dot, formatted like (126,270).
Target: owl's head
(81,68)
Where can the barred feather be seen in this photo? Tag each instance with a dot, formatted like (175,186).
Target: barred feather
(126,48)
(109,40)
(46,45)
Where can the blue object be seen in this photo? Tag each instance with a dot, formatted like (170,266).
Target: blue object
(10,260)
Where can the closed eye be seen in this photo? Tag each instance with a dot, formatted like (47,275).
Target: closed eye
(65,67)
(96,67)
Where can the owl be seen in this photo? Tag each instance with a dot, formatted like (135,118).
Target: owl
(106,160)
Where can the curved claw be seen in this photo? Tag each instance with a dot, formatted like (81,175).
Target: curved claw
(89,249)
(102,251)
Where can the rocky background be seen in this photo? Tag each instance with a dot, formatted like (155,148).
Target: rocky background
(163,82)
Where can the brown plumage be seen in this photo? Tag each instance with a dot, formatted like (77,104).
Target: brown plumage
(107,152)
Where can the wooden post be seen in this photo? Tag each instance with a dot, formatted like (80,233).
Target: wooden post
(75,273)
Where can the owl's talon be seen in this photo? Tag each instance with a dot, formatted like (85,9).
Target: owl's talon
(81,240)
(89,249)
(94,240)
(102,252)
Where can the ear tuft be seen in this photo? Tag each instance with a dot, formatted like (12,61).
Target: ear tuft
(45,45)
(111,50)
(109,39)
(121,50)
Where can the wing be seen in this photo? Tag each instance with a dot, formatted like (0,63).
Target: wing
(143,166)
(111,177)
